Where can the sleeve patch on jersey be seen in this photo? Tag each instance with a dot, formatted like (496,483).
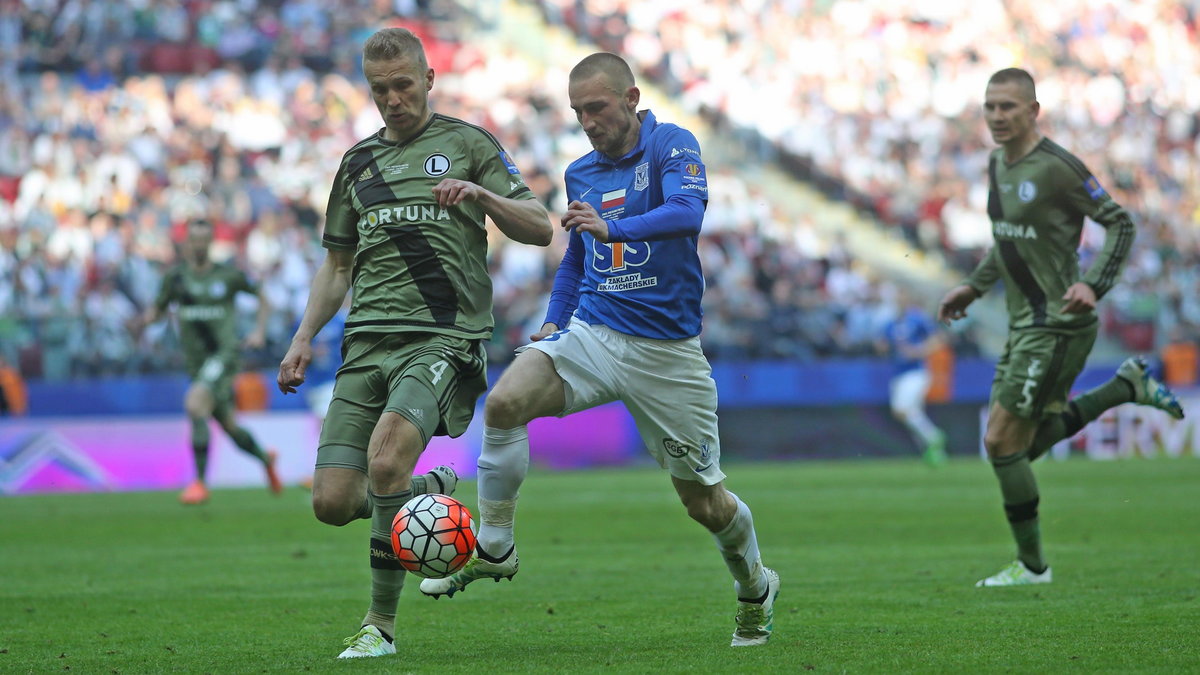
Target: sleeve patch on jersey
(693,172)
(508,163)
(1093,188)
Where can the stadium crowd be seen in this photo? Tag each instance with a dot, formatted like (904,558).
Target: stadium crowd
(877,103)
(239,112)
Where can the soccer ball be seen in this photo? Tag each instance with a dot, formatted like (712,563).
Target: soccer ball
(432,536)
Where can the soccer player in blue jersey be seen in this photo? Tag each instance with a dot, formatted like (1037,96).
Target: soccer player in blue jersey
(623,325)
(910,337)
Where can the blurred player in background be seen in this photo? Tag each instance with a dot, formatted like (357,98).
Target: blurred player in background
(623,324)
(405,228)
(909,339)
(204,292)
(1039,196)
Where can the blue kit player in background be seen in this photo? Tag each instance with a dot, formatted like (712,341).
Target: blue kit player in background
(623,325)
(910,337)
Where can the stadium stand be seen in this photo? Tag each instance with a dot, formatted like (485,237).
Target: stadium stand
(239,111)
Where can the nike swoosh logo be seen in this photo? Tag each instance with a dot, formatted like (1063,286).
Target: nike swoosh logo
(703,468)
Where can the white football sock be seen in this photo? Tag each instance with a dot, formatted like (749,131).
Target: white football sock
(503,464)
(739,546)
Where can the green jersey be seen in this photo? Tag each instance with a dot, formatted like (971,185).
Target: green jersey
(1037,206)
(418,266)
(205,310)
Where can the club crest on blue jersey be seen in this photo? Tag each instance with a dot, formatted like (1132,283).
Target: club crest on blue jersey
(641,176)
(508,163)
(1094,190)
(618,256)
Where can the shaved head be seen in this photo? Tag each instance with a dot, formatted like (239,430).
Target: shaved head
(1018,76)
(613,67)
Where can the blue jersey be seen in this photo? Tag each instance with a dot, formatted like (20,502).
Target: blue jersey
(646,281)
(911,329)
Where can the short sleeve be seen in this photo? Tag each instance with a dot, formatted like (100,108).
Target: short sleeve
(341,220)
(496,172)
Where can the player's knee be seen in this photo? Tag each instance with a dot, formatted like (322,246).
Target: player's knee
(388,472)
(999,445)
(331,510)
(502,410)
(198,402)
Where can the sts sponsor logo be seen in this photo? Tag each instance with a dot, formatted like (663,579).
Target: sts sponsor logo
(618,256)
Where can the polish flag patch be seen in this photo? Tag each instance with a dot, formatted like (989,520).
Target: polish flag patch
(612,199)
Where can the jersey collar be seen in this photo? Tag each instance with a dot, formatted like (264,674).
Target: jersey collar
(648,124)
(379,135)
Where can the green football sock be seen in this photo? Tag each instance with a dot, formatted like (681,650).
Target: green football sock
(387,576)
(1055,428)
(367,509)
(246,442)
(1094,402)
(1079,413)
(200,438)
(1019,490)
(422,484)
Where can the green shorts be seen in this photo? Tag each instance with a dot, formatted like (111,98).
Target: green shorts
(1035,373)
(216,373)
(431,380)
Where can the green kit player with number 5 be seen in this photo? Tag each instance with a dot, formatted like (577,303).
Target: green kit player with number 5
(1039,196)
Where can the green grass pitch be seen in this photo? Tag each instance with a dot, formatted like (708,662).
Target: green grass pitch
(878,560)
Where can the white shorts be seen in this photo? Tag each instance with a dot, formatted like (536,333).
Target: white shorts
(908,390)
(666,385)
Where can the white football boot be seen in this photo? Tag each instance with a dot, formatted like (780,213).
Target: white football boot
(441,480)
(755,621)
(367,642)
(475,569)
(1016,574)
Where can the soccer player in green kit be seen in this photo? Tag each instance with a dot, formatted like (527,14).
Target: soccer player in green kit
(405,230)
(1039,195)
(204,292)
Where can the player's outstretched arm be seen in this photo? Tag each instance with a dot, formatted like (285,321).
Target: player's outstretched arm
(523,220)
(325,298)
(954,304)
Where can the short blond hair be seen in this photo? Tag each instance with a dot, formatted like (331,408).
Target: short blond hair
(394,43)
